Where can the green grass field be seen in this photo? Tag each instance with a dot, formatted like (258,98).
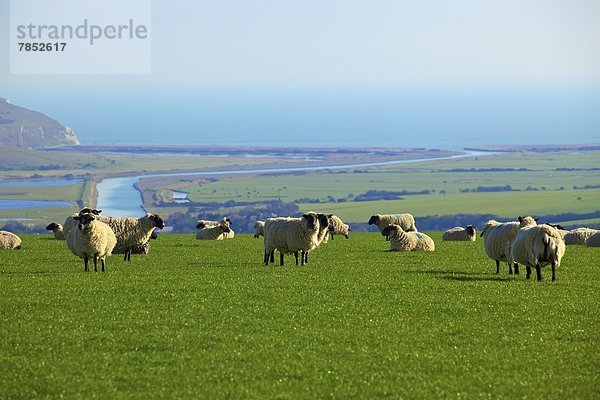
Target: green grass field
(207,320)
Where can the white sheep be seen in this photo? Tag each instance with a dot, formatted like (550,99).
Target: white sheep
(537,246)
(458,233)
(594,240)
(290,236)
(205,223)
(322,235)
(137,249)
(213,232)
(259,229)
(338,227)
(497,242)
(9,241)
(70,222)
(58,230)
(91,239)
(578,236)
(132,231)
(405,221)
(408,241)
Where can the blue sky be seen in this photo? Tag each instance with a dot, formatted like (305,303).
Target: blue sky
(249,61)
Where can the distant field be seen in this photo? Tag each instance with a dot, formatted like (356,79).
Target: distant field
(207,320)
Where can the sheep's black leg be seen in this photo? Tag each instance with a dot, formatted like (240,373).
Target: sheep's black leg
(296,256)
(85,263)
(553,272)
(129,251)
(272,256)
(331,235)
(281,258)
(304,257)
(497,266)
(266,258)
(95,264)
(510,271)
(516,265)
(102,264)
(538,270)
(528,268)
(125,256)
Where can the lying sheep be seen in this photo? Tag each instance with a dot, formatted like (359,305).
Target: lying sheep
(459,233)
(338,227)
(205,223)
(537,246)
(91,238)
(70,222)
(594,240)
(131,232)
(259,229)
(578,236)
(212,232)
(9,241)
(405,221)
(290,236)
(58,230)
(407,241)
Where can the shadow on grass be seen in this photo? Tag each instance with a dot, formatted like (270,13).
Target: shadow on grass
(39,272)
(467,278)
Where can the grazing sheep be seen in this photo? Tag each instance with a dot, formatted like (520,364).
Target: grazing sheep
(407,241)
(290,236)
(259,229)
(537,246)
(594,240)
(132,231)
(338,227)
(405,221)
(91,239)
(9,241)
(458,233)
(212,232)
(578,236)
(59,233)
(497,242)
(70,223)
(138,249)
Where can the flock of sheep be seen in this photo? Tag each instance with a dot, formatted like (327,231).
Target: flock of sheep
(90,235)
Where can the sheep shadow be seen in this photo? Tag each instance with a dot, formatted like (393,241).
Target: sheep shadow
(468,278)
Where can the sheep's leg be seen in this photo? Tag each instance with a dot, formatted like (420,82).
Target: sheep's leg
(296,256)
(510,271)
(129,251)
(331,235)
(102,261)
(266,258)
(553,272)
(528,267)
(125,256)
(538,270)
(304,258)
(95,263)
(516,265)
(85,263)
(272,256)
(497,266)
(280,258)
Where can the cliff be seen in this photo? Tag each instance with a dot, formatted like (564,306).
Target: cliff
(20,127)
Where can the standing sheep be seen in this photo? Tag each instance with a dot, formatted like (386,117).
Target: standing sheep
(497,242)
(91,239)
(59,233)
(407,241)
(70,222)
(259,229)
(322,235)
(405,221)
(290,236)
(578,236)
(338,227)
(537,246)
(594,240)
(131,232)
(9,241)
(138,249)
(467,234)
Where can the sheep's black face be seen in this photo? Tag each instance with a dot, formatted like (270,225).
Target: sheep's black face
(323,220)
(388,231)
(84,221)
(470,230)
(373,219)
(200,225)
(51,227)
(158,221)
(226,229)
(311,220)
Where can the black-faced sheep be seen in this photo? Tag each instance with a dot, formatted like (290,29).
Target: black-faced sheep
(91,239)
(407,241)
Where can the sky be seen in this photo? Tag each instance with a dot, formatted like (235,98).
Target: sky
(234,70)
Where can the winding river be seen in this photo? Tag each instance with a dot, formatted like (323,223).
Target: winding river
(118,197)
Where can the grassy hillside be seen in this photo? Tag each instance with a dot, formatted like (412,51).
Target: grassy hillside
(207,320)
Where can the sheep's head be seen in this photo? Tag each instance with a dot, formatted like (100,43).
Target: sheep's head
(470,230)
(52,226)
(156,220)
(373,219)
(527,221)
(154,235)
(323,220)
(311,220)
(89,211)
(83,221)
(390,229)
(200,225)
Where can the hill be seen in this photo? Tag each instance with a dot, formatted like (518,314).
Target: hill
(21,127)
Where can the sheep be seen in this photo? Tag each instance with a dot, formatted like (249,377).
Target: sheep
(407,241)
(9,241)
(322,235)
(138,249)
(338,227)
(259,229)
(58,230)
(290,235)
(578,236)
(594,240)
(212,232)
(459,233)
(91,239)
(70,222)
(537,246)
(132,231)
(497,242)
(405,221)
(205,223)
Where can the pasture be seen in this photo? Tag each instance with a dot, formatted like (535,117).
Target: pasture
(207,320)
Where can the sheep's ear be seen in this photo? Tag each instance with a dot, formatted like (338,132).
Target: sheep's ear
(520,219)
(536,219)
(98,211)
(330,215)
